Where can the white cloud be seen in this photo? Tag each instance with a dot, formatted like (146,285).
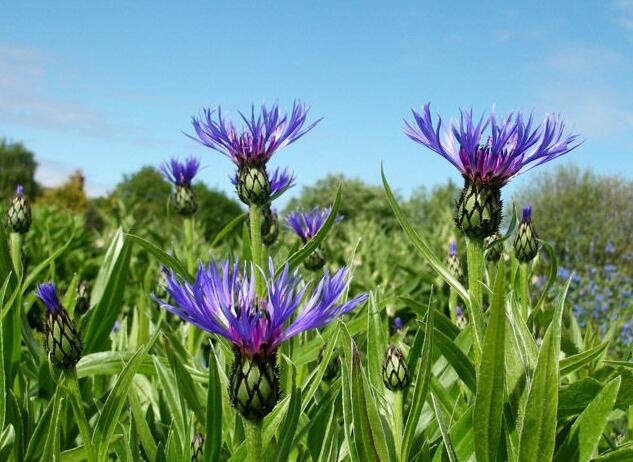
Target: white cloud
(51,174)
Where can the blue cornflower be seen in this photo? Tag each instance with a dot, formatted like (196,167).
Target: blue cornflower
(306,224)
(513,145)
(252,147)
(181,173)
(222,300)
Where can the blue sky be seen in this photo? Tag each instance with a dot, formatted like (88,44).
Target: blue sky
(110,86)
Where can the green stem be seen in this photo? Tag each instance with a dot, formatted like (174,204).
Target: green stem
(15,240)
(524,283)
(452,303)
(253,433)
(13,323)
(191,267)
(74,397)
(475,256)
(256,244)
(397,422)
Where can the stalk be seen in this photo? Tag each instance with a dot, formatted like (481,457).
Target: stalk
(475,256)
(255,215)
(397,423)
(191,267)
(74,397)
(253,433)
(13,324)
(452,303)
(524,283)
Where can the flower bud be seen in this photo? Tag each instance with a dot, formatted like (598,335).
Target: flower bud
(254,384)
(253,186)
(185,200)
(395,372)
(270,226)
(61,339)
(453,262)
(19,212)
(479,210)
(526,244)
(83,298)
(197,447)
(495,251)
(460,317)
(315,261)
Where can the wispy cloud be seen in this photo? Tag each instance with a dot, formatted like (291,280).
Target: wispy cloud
(52,173)
(28,100)
(624,14)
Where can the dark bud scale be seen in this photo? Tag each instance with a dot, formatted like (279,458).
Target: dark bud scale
(395,372)
(61,339)
(270,226)
(332,368)
(19,214)
(253,186)
(83,298)
(455,266)
(479,209)
(185,200)
(494,252)
(254,384)
(526,245)
(197,447)
(315,261)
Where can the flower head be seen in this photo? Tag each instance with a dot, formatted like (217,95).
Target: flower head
(280,181)
(18,215)
(260,136)
(223,300)
(47,292)
(181,173)
(513,145)
(306,224)
(452,248)
(527,213)
(19,190)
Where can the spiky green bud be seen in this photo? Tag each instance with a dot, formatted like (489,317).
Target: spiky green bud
(197,447)
(395,372)
(61,340)
(479,210)
(493,252)
(254,384)
(526,244)
(253,186)
(83,298)
(19,213)
(270,226)
(185,200)
(453,262)
(315,261)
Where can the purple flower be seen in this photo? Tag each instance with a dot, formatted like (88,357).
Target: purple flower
(452,248)
(306,224)
(512,145)
(181,173)
(527,213)
(223,300)
(47,292)
(397,323)
(19,190)
(259,137)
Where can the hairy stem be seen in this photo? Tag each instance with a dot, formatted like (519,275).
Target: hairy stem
(397,422)
(74,397)
(475,256)
(253,433)
(256,244)
(191,267)
(525,296)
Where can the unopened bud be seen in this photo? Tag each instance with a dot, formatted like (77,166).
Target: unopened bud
(395,372)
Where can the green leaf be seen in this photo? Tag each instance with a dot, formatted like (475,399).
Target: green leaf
(51,443)
(422,379)
(489,400)
(234,223)
(109,417)
(107,294)
(213,438)
(621,454)
(142,427)
(448,446)
(457,359)
(186,387)
(583,437)
(7,438)
(538,434)
(306,250)
(329,449)
(289,426)
(575,362)
(553,272)
(3,379)
(34,274)
(422,246)
(163,257)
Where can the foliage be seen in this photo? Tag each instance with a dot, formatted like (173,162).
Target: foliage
(69,196)
(17,166)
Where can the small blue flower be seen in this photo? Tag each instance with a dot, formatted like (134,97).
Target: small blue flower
(47,292)
(307,224)
(181,173)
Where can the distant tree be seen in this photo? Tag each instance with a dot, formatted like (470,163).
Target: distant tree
(588,217)
(69,196)
(145,189)
(360,201)
(215,209)
(17,166)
